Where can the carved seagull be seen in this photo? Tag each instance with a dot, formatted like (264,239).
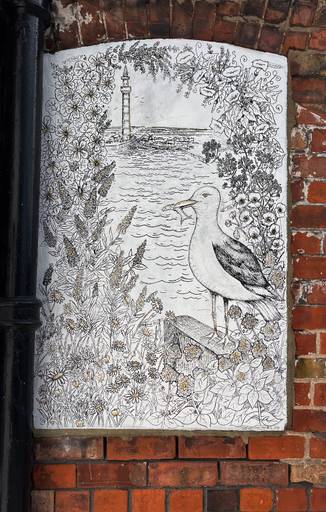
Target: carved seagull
(226,267)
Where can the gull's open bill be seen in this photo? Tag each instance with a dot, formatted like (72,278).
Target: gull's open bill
(179,208)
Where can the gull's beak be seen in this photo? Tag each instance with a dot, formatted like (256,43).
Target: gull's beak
(185,203)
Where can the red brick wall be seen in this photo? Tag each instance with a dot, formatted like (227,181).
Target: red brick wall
(254,473)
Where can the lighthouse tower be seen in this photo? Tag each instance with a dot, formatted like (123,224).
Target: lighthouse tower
(125,91)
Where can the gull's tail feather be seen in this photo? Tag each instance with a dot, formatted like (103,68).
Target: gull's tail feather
(267,309)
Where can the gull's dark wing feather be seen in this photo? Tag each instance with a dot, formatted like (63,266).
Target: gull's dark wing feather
(238,261)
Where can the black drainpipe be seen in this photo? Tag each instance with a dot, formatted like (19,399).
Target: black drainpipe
(22,24)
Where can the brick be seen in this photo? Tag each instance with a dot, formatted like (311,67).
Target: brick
(277,11)
(318,40)
(318,141)
(68,448)
(270,447)
(309,317)
(304,167)
(308,90)
(211,447)
(305,243)
(42,501)
(159,18)
(318,448)
(305,343)
(247,34)
(146,500)
(312,473)
(320,391)
(297,191)
(254,473)
(322,343)
(68,37)
(303,13)
(182,19)
(112,500)
(151,447)
(294,41)
(307,420)
(311,216)
(223,500)
(291,500)
(302,393)
(298,139)
(298,292)
(136,18)
(254,8)
(227,8)
(54,476)
(74,501)
(307,63)
(131,474)
(91,22)
(317,192)
(270,39)
(204,20)
(310,368)
(316,293)
(114,19)
(320,17)
(183,474)
(224,31)
(187,499)
(318,500)
(257,499)
(310,267)
(310,116)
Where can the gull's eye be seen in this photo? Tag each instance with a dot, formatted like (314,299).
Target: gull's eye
(205,194)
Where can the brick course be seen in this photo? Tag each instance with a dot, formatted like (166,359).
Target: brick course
(218,473)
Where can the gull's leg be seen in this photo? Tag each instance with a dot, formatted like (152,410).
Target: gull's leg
(214,316)
(226,303)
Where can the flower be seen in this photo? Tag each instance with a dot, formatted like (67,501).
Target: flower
(280,210)
(254,200)
(277,277)
(151,358)
(134,365)
(185,385)
(168,374)
(249,322)
(271,331)
(135,395)
(118,345)
(57,296)
(139,377)
(273,231)
(254,234)
(268,218)
(234,312)
(192,352)
(277,244)
(241,199)
(245,218)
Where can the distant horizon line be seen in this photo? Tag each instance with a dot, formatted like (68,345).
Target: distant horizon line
(167,127)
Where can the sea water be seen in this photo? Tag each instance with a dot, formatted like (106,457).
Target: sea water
(151,179)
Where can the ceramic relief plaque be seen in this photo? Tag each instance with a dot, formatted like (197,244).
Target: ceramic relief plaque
(163,239)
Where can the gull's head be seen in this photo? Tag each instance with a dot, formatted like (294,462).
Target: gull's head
(205,200)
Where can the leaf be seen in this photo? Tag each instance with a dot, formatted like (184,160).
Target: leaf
(264,397)
(232,71)
(253,397)
(185,57)
(232,97)
(207,91)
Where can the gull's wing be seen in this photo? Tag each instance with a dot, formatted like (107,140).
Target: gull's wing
(238,261)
